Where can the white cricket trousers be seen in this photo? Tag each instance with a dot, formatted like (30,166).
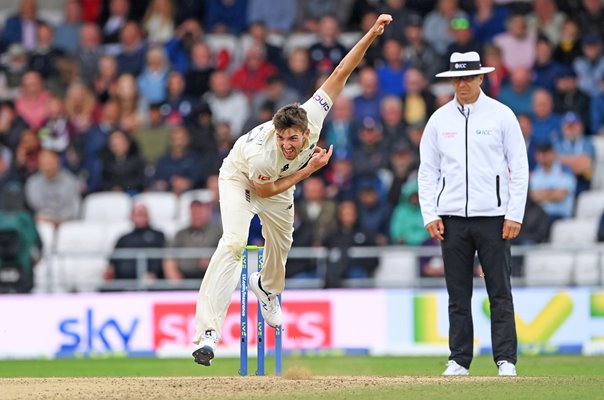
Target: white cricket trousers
(238,205)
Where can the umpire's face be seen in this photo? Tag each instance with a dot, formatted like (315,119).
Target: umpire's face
(467,88)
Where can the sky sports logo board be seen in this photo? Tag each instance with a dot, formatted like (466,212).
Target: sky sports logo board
(306,325)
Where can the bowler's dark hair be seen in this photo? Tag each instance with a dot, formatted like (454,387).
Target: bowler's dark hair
(291,116)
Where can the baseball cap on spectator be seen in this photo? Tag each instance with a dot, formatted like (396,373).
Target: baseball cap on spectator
(400,148)
(591,40)
(567,72)
(371,124)
(570,118)
(414,20)
(544,147)
(460,23)
(367,184)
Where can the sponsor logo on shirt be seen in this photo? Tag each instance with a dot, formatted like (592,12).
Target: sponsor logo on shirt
(264,178)
(449,135)
(483,132)
(322,102)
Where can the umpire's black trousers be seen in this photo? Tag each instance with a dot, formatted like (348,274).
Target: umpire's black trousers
(463,237)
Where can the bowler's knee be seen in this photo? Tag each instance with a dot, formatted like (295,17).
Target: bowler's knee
(234,244)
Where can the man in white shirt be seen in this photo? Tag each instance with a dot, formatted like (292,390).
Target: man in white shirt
(258,177)
(473,183)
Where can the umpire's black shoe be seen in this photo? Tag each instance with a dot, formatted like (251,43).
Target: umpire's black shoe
(204,355)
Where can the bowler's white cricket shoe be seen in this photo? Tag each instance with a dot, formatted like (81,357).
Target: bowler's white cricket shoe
(506,368)
(205,353)
(454,369)
(269,304)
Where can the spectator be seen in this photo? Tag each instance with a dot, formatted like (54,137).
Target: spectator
(222,99)
(11,126)
(327,53)
(44,57)
(68,31)
(310,14)
(535,225)
(143,236)
(27,154)
(437,23)
(346,234)
(105,81)
(546,71)
(371,155)
(298,268)
(488,20)
(517,93)
(152,81)
(341,129)
(591,17)
(546,124)
(526,126)
(546,20)
(180,169)
(202,130)
(568,97)
(569,46)
(21,28)
(8,174)
(576,151)
(127,98)
(258,33)
(391,72)
(179,47)
(373,209)
(56,131)
(200,233)
(403,164)
(276,92)
(517,43)
(590,66)
(299,75)
(96,140)
(418,101)
(494,81)
(400,14)
(393,125)
(32,104)
(89,52)
(178,106)
(374,52)
(197,77)
(154,136)
(367,103)
(158,22)
(407,223)
(13,65)
(265,113)
(252,76)
(53,193)
(551,185)
(277,17)
(81,108)
(226,16)
(463,36)
(115,21)
(315,210)
(419,53)
(132,49)
(123,168)
(597,110)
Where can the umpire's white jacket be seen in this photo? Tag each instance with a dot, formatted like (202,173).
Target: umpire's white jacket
(473,162)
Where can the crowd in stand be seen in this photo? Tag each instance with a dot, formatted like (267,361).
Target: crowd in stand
(139,96)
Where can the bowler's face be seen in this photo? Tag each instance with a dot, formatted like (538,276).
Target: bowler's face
(467,88)
(291,141)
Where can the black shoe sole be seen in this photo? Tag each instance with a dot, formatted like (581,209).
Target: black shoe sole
(203,356)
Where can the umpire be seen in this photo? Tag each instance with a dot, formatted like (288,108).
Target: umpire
(473,182)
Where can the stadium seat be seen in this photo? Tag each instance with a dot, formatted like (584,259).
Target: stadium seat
(297,40)
(588,268)
(46,230)
(574,232)
(82,253)
(349,39)
(590,204)
(106,206)
(161,205)
(185,199)
(397,268)
(548,267)
(169,227)
(224,42)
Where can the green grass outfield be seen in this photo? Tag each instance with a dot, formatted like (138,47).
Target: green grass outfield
(540,377)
